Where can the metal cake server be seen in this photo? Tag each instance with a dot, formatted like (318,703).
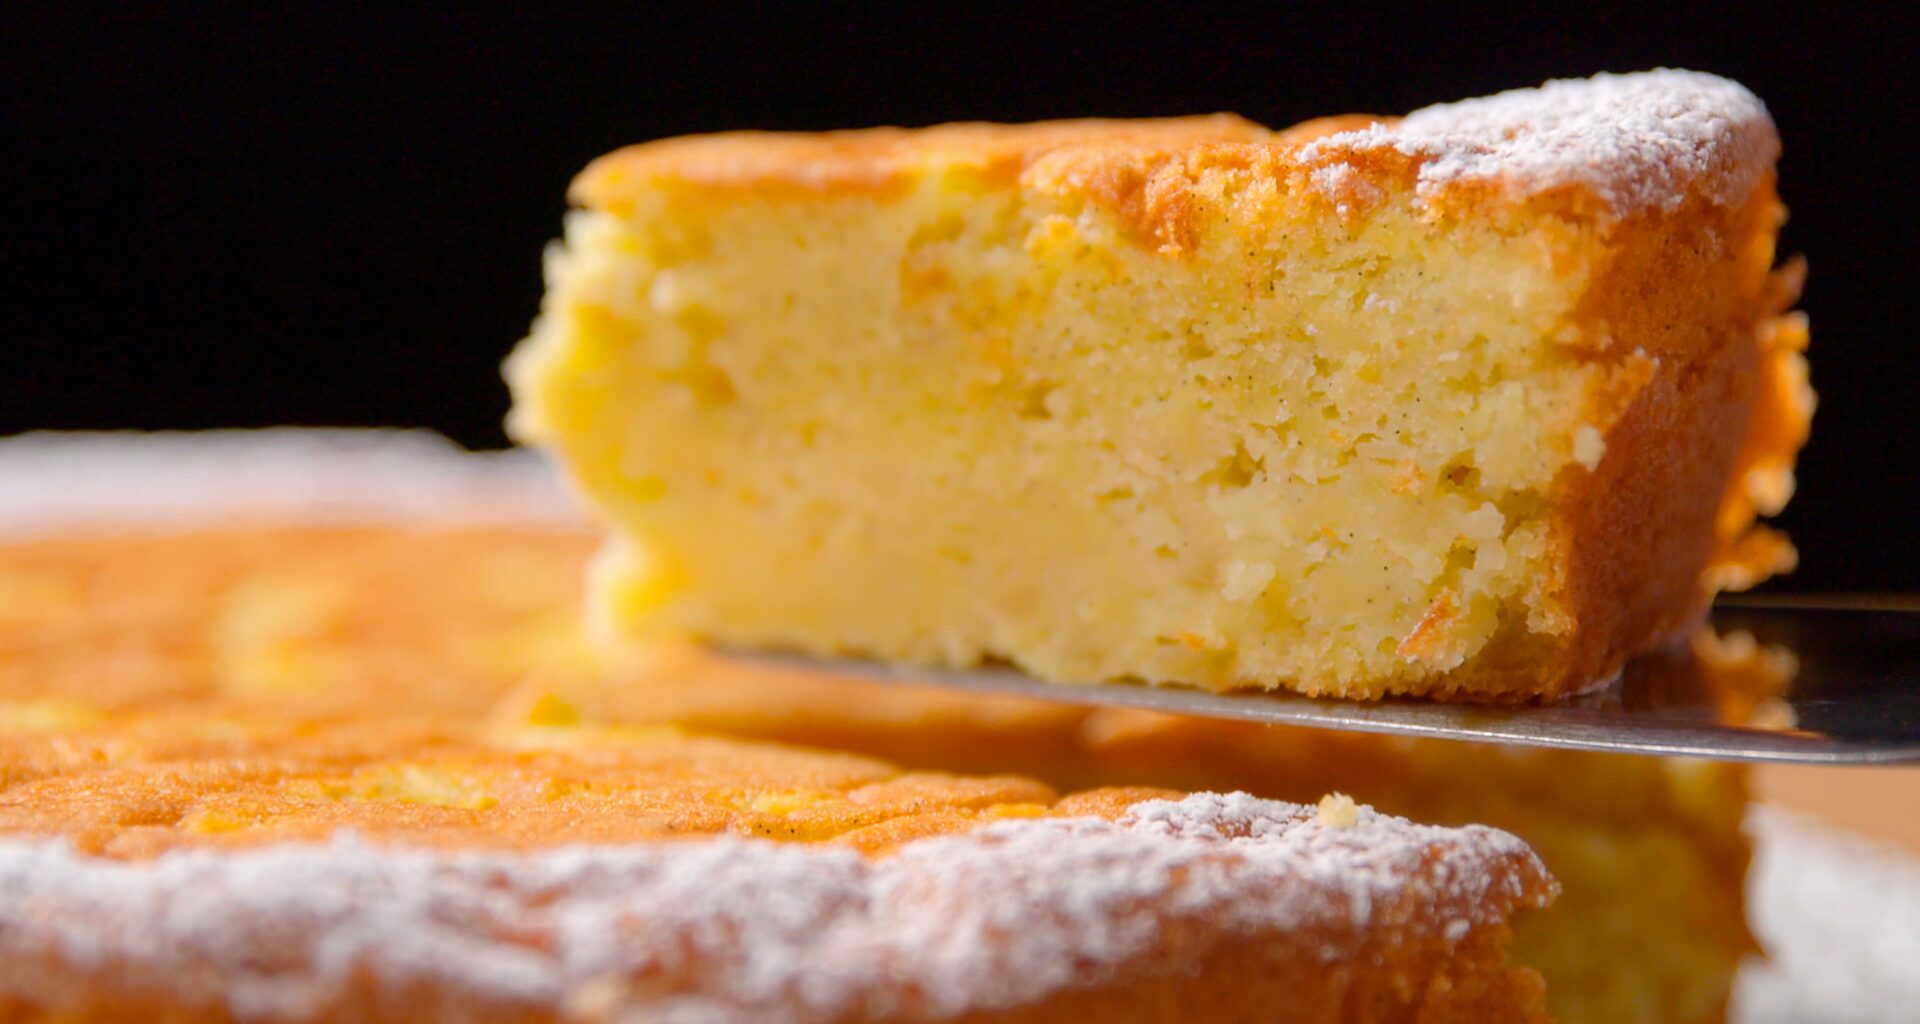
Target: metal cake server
(1854,697)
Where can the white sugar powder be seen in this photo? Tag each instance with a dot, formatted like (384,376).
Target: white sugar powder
(1639,142)
(997,917)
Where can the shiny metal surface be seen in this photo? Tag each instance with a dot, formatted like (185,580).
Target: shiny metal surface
(1827,683)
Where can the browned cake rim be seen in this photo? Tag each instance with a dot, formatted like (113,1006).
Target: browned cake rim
(998,917)
(1610,146)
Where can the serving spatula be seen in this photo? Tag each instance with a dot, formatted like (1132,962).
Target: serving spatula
(1846,691)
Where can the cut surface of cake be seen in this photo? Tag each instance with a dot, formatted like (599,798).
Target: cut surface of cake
(256,763)
(1473,403)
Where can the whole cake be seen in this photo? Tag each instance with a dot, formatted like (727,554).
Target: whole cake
(1473,403)
(260,761)
(313,634)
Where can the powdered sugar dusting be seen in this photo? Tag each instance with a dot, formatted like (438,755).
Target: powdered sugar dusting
(52,482)
(1639,142)
(1839,917)
(723,927)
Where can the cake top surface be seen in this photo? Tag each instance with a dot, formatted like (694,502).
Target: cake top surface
(992,918)
(1635,142)
(878,159)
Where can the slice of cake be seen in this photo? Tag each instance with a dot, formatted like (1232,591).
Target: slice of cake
(250,771)
(1473,403)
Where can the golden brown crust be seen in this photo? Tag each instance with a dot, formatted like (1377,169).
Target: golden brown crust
(1701,409)
(1599,150)
(1782,416)
(1693,421)
(1145,173)
(879,160)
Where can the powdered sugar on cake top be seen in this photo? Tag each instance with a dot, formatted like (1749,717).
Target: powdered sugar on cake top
(1638,142)
(723,927)
(1839,917)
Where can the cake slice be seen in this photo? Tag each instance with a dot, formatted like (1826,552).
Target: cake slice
(1470,404)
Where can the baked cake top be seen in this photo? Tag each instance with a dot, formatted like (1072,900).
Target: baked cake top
(880,159)
(1638,141)
(1633,143)
(1001,916)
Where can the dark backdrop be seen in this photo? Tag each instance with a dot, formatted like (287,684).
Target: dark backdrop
(234,217)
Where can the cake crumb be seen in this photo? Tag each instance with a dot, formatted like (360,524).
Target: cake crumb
(1337,810)
(552,710)
(1589,446)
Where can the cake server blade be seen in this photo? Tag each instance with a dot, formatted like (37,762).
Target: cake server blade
(1833,682)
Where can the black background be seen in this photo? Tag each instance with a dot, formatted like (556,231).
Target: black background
(247,216)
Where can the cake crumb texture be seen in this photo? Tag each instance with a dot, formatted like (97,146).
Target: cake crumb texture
(1470,404)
